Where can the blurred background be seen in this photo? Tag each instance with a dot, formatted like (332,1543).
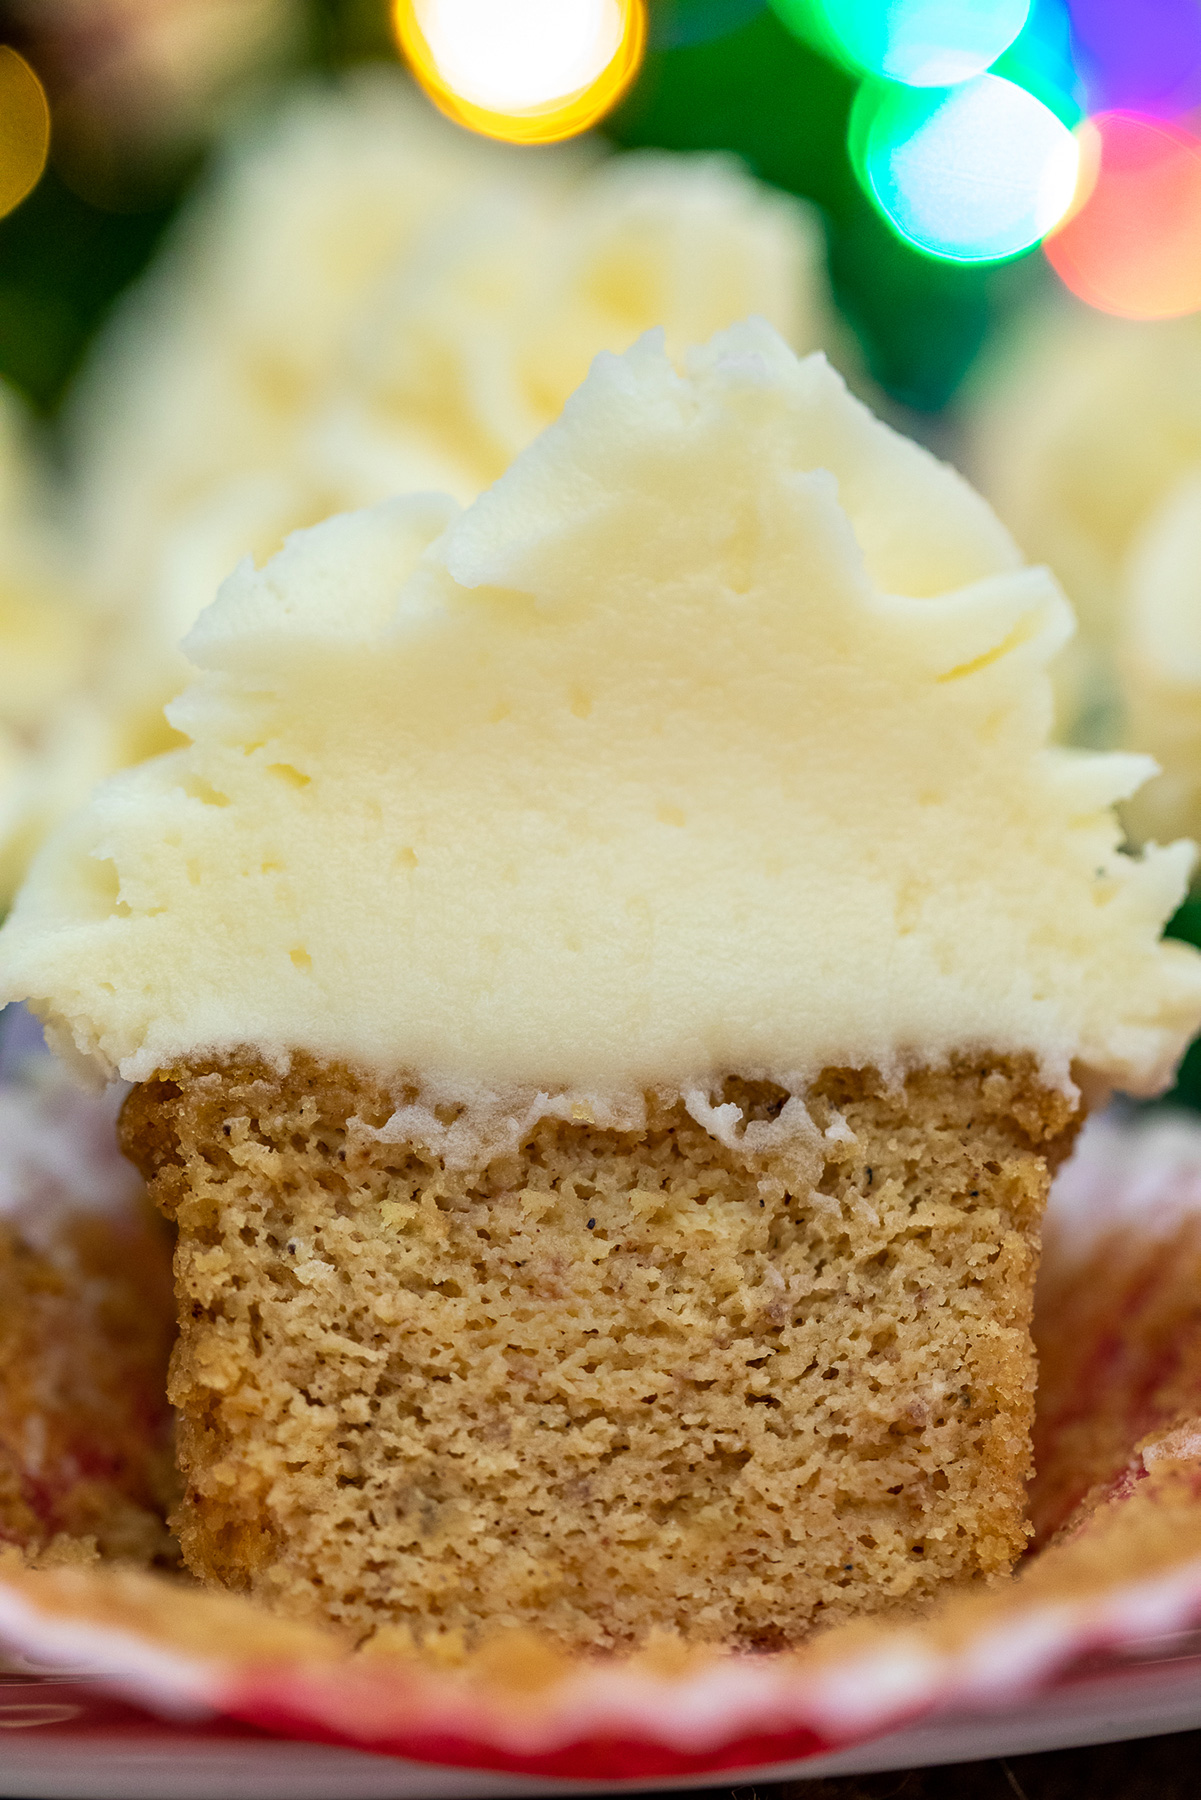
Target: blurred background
(138,90)
(263,259)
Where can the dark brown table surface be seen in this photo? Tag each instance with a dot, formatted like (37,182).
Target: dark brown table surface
(1163,1768)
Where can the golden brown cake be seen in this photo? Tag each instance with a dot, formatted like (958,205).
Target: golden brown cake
(609,1379)
(605,983)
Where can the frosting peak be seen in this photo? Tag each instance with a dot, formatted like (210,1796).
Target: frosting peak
(713,737)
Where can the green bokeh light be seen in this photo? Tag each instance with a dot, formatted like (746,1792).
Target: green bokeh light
(975,174)
(924,43)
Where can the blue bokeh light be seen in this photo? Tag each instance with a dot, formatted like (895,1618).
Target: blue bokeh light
(979,172)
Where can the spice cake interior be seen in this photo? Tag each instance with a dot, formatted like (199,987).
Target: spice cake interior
(611,1380)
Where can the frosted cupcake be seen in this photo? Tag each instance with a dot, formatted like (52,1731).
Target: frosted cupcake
(606,982)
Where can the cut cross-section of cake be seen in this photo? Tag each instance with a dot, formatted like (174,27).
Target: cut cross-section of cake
(606,984)
(624,1372)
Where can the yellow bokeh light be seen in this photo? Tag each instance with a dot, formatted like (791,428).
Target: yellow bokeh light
(24,129)
(528,71)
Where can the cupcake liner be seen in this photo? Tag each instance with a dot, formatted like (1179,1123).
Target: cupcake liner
(86,1320)
(1128,1577)
(1117,1319)
(1117,1576)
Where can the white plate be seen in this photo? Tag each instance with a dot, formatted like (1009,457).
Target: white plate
(70,1740)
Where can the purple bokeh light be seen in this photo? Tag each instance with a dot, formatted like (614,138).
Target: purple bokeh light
(1143,56)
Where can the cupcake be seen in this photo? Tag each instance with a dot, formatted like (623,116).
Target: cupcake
(605,983)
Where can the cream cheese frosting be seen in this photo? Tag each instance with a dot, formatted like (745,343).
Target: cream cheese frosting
(112,714)
(713,737)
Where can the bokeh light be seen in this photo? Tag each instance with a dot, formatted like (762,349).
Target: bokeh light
(24,129)
(1132,245)
(926,43)
(529,71)
(974,173)
(1042,59)
(1138,58)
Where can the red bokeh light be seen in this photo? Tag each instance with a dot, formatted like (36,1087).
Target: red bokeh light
(1132,244)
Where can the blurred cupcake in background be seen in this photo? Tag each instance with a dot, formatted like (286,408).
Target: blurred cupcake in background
(1087,439)
(219,357)
(1078,436)
(472,345)
(1159,663)
(46,632)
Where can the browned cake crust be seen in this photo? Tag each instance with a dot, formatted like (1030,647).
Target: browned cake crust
(614,1380)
